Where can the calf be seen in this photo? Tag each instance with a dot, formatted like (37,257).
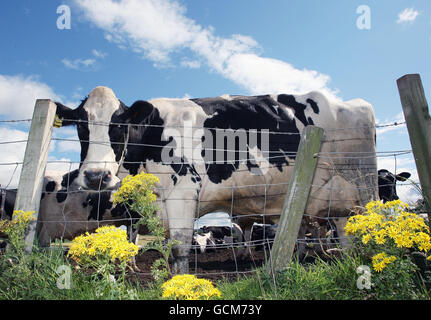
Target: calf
(221,233)
(263,233)
(66,211)
(203,240)
(387,184)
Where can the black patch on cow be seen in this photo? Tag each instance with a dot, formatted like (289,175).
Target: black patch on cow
(174,179)
(99,203)
(79,118)
(145,140)
(145,135)
(61,195)
(68,178)
(9,201)
(299,108)
(118,132)
(313,105)
(50,186)
(246,113)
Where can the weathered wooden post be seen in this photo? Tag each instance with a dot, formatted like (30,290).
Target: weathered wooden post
(34,164)
(296,199)
(418,121)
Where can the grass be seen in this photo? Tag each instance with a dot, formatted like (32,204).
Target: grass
(34,277)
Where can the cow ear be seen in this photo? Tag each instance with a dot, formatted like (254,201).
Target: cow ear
(138,113)
(403,176)
(65,114)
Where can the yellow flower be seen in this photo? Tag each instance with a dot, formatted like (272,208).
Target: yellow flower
(189,287)
(107,241)
(381,260)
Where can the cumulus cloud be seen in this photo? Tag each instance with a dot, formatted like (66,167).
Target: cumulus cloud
(84,64)
(18,95)
(390,124)
(158,28)
(78,64)
(12,156)
(408,15)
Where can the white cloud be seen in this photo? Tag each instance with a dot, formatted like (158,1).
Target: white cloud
(158,28)
(99,54)
(79,64)
(85,64)
(12,153)
(408,15)
(390,124)
(18,95)
(192,64)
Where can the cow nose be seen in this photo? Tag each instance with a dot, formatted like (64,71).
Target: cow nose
(97,179)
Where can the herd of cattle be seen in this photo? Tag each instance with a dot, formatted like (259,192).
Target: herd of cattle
(179,140)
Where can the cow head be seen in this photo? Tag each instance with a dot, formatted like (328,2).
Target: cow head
(102,124)
(388,182)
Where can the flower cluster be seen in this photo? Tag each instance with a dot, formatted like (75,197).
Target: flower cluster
(389,226)
(20,219)
(107,242)
(188,287)
(381,260)
(138,187)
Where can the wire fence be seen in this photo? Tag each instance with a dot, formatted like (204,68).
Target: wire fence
(67,210)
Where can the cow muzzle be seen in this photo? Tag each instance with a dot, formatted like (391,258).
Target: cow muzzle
(97,179)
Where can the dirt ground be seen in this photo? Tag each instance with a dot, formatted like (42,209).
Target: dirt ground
(214,265)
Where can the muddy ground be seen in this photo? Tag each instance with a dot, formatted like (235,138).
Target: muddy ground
(214,265)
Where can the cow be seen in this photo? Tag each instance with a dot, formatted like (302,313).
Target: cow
(202,240)
(388,184)
(66,211)
(261,234)
(221,236)
(229,153)
(219,233)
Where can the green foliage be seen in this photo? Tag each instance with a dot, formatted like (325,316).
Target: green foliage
(136,192)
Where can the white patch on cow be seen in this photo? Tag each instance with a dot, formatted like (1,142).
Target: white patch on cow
(204,240)
(100,106)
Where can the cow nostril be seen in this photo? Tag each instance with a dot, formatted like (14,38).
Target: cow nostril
(107,176)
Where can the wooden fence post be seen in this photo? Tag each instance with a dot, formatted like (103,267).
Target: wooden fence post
(296,199)
(34,164)
(418,121)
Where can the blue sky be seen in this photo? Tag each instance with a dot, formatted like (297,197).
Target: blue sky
(202,48)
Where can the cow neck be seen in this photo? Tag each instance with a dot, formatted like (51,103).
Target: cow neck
(123,154)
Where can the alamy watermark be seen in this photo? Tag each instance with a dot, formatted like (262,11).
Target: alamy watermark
(363,22)
(63,281)
(364,280)
(64,20)
(217,146)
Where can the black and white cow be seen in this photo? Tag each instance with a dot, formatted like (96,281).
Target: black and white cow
(208,151)
(204,240)
(220,235)
(388,184)
(261,234)
(66,211)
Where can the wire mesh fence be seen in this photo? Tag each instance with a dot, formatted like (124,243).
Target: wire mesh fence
(67,210)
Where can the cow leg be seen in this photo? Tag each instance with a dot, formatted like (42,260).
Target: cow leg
(43,238)
(345,242)
(181,214)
